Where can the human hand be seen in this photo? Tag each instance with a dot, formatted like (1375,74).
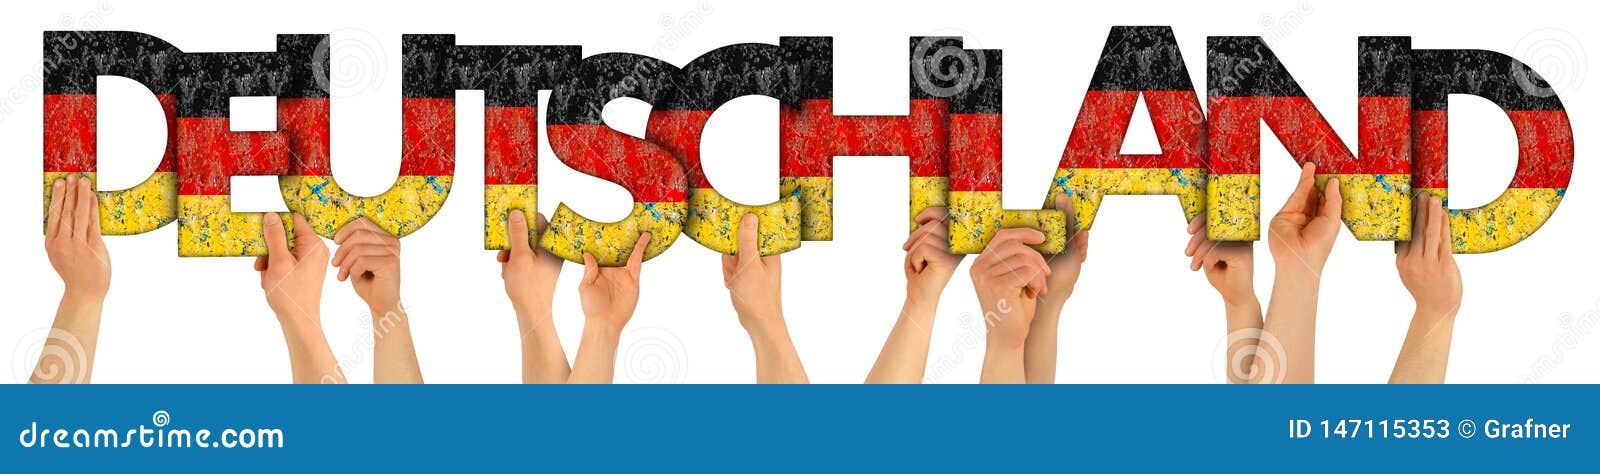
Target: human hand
(292,279)
(1229,266)
(1427,266)
(754,282)
(370,258)
(1009,276)
(72,239)
(1301,235)
(1067,265)
(929,264)
(529,272)
(610,294)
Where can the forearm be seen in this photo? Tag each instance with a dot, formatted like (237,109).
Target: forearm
(597,354)
(310,358)
(393,353)
(1290,329)
(776,358)
(1003,360)
(543,359)
(904,358)
(1244,330)
(1426,352)
(68,354)
(1039,351)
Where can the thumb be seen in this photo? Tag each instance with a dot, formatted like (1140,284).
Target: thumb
(1332,201)
(277,242)
(749,246)
(591,269)
(517,232)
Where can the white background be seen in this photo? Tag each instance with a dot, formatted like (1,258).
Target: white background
(1138,314)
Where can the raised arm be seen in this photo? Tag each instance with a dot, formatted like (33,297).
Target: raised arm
(755,285)
(369,257)
(1428,270)
(1300,237)
(292,281)
(530,279)
(1008,276)
(1040,350)
(609,296)
(79,256)
(928,266)
(1230,267)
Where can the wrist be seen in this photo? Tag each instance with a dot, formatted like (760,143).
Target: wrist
(296,326)
(1295,272)
(382,308)
(601,328)
(999,342)
(535,319)
(1242,304)
(83,294)
(765,329)
(1429,313)
(920,310)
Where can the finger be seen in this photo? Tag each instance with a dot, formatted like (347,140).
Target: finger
(930,231)
(1080,242)
(540,226)
(1197,223)
(636,259)
(1200,254)
(357,225)
(1028,273)
(517,232)
(920,256)
(1446,239)
(1022,235)
(53,222)
(749,246)
(367,265)
(1302,190)
(358,239)
(1022,260)
(1419,226)
(914,262)
(912,238)
(261,263)
(305,238)
(502,256)
(1332,201)
(1064,204)
(277,242)
(1430,249)
(591,269)
(931,214)
(1010,250)
(357,252)
(1194,244)
(69,208)
(730,264)
(88,210)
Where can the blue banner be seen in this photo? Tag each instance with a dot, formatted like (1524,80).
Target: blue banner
(811,428)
